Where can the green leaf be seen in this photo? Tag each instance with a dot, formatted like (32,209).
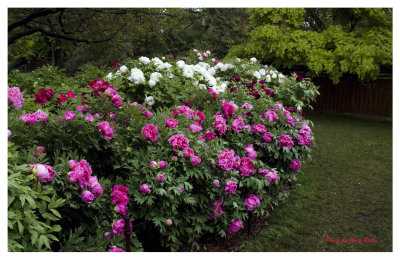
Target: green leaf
(49,216)
(56,213)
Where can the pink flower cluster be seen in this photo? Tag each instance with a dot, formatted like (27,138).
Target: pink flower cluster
(186,111)
(216,208)
(213,93)
(146,112)
(171,123)
(237,124)
(285,141)
(97,86)
(272,176)
(209,135)
(267,137)
(119,227)
(179,141)
(195,128)
(251,153)
(259,128)
(43,172)
(31,119)
(226,160)
(150,132)
(15,97)
(295,165)
(38,152)
(235,227)
(198,117)
(69,115)
(82,174)
(43,96)
(228,108)
(246,166)
(116,99)
(115,249)
(231,187)
(195,160)
(247,107)
(304,136)
(220,124)
(145,188)
(121,198)
(271,115)
(106,129)
(252,202)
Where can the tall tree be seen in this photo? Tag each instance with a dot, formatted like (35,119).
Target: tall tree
(331,40)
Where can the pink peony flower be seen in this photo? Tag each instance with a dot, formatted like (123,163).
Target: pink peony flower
(235,227)
(95,186)
(226,160)
(44,172)
(246,166)
(119,227)
(147,114)
(195,128)
(285,141)
(87,196)
(252,202)
(145,188)
(231,187)
(272,177)
(175,112)
(115,249)
(120,194)
(209,135)
(89,117)
(220,124)
(15,97)
(150,132)
(181,188)
(169,222)
(198,117)
(213,93)
(248,127)
(271,115)
(201,139)
(81,172)
(106,129)
(195,160)
(237,124)
(39,151)
(251,153)
(69,115)
(267,137)
(8,133)
(228,108)
(295,165)
(216,183)
(186,111)
(216,208)
(121,209)
(153,165)
(258,128)
(247,106)
(160,177)
(162,164)
(179,141)
(188,152)
(171,123)
(107,235)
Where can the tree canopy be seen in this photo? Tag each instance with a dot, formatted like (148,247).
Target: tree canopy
(335,41)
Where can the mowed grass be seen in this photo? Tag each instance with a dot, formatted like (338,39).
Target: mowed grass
(345,191)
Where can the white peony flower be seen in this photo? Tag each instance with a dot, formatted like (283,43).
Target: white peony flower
(195,83)
(109,76)
(203,86)
(211,71)
(268,79)
(226,67)
(152,83)
(171,76)
(187,72)
(238,59)
(262,72)
(144,60)
(180,63)
(123,69)
(137,76)
(257,74)
(157,61)
(155,76)
(273,75)
(253,60)
(149,100)
(165,65)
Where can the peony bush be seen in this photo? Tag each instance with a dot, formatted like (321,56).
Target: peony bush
(168,147)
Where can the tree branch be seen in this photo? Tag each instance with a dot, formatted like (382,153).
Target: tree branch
(30,17)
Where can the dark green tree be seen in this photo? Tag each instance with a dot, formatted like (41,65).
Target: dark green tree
(330,40)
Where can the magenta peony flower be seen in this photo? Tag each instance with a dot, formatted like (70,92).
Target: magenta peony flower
(186,111)
(119,227)
(235,227)
(175,112)
(8,133)
(44,172)
(252,202)
(251,153)
(121,209)
(228,108)
(81,172)
(195,128)
(285,141)
(247,106)
(174,158)
(248,127)
(213,93)
(145,188)
(209,135)
(87,196)
(179,141)
(153,165)
(106,129)
(147,114)
(226,160)
(171,123)
(267,137)
(201,139)
(200,115)
(69,115)
(115,249)
(169,222)
(295,165)
(220,124)
(162,164)
(216,208)
(160,177)
(89,117)
(272,177)
(237,124)
(107,235)
(246,166)
(271,115)
(15,97)
(231,187)
(120,194)
(195,160)
(150,132)
(95,186)
(39,151)
(181,188)
(258,128)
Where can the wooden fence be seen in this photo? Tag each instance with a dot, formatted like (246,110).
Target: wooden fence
(351,96)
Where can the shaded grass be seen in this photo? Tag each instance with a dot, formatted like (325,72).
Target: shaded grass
(345,191)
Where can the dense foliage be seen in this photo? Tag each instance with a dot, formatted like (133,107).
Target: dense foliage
(211,143)
(330,40)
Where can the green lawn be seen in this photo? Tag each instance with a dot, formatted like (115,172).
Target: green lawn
(345,191)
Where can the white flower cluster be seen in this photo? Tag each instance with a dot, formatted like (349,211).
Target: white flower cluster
(154,78)
(136,76)
(144,60)
(149,100)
